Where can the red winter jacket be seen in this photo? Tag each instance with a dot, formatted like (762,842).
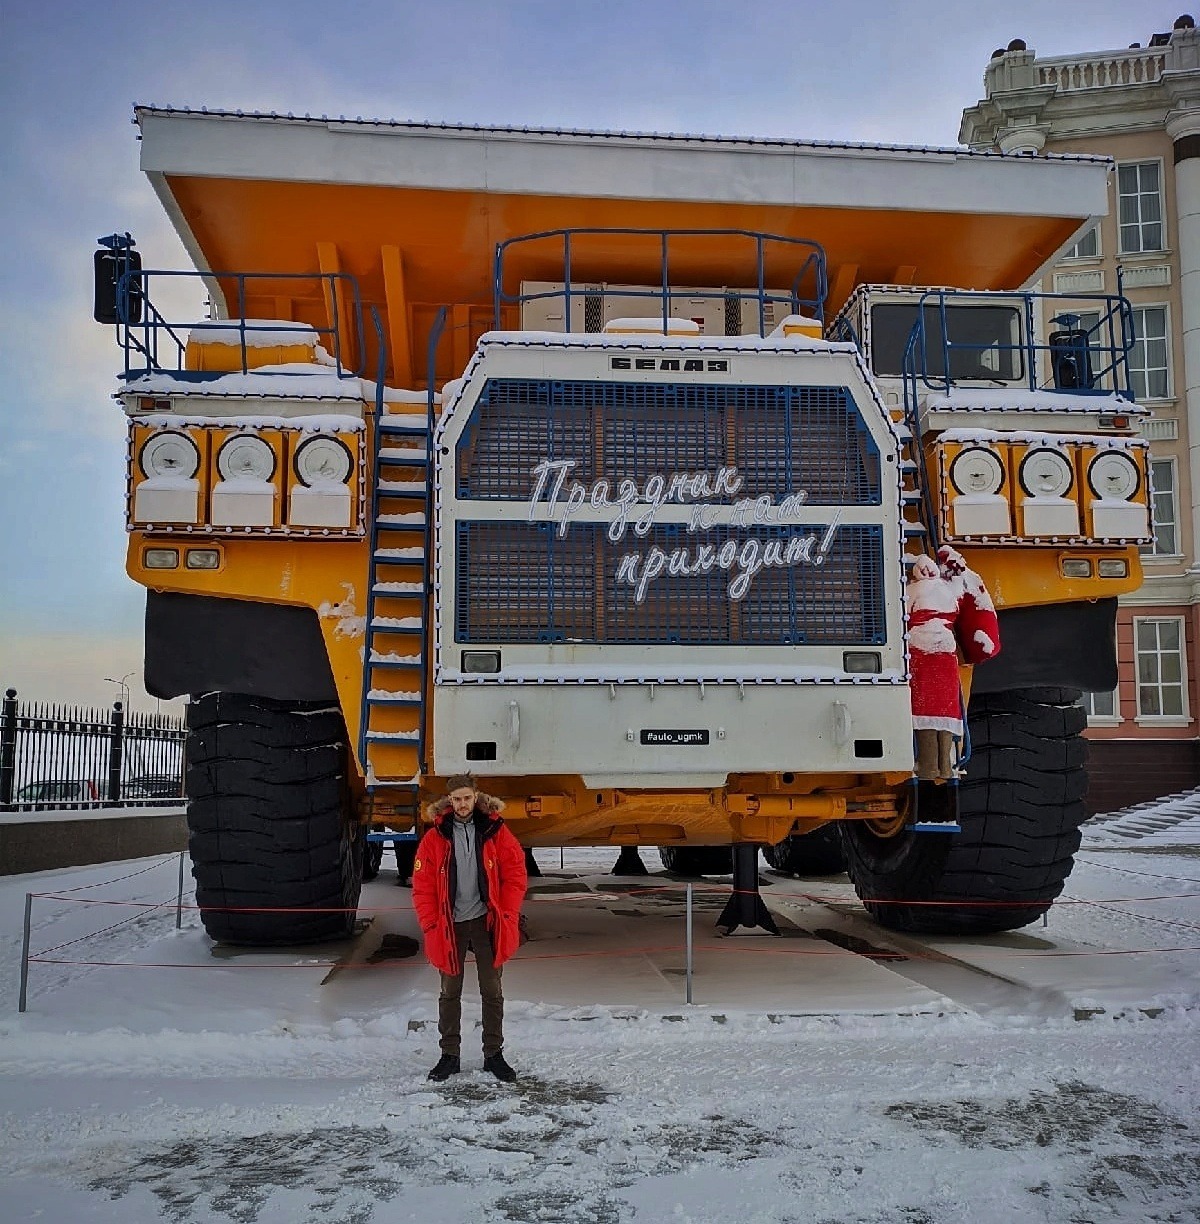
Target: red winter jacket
(502,882)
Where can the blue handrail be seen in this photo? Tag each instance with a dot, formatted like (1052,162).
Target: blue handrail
(364,712)
(1109,308)
(435,336)
(813,265)
(141,337)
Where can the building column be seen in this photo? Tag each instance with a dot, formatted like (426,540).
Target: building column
(1184,129)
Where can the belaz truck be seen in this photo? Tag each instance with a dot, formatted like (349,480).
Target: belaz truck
(597,464)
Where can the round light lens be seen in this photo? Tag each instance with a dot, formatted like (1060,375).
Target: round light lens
(170,453)
(246,457)
(977,470)
(323,461)
(1046,473)
(1113,476)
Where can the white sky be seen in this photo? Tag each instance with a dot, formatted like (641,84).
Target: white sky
(70,71)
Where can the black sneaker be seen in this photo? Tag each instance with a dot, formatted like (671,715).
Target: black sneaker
(447,1066)
(499,1068)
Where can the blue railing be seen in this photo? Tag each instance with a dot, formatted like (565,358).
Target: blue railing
(1104,345)
(806,294)
(154,344)
(1097,368)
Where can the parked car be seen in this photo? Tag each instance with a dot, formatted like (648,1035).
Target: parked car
(153,786)
(60,790)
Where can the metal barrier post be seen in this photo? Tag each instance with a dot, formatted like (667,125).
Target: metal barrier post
(179,896)
(8,750)
(25,953)
(116,755)
(689,944)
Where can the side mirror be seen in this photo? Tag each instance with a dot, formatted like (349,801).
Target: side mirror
(118,282)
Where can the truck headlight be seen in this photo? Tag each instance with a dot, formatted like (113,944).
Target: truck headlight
(1113,476)
(1046,473)
(323,461)
(977,470)
(169,453)
(861,662)
(480,662)
(246,457)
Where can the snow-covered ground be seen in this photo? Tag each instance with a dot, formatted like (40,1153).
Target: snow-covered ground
(836,1075)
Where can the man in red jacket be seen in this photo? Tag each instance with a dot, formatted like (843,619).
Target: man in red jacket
(468,883)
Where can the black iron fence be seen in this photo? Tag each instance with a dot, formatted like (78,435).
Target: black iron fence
(54,756)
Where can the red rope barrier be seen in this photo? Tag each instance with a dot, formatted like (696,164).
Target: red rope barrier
(814,897)
(171,858)
(998,954)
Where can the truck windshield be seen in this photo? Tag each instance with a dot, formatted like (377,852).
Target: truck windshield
(985,340)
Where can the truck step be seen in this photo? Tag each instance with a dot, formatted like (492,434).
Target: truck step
(415,553)
(404,456)
(378,659)
(402,488)
(393,737)
(399,588)
(387,697)
(403,423)
(398,624)
(414,518)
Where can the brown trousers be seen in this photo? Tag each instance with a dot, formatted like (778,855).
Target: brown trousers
(472,935)
(935,755)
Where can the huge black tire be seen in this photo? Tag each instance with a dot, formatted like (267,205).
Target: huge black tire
(372,859)
(1020,807)
(818,853)
(696,860)
(275,851)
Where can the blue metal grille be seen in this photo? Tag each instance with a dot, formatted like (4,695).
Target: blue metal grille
(782,440)
(520,582)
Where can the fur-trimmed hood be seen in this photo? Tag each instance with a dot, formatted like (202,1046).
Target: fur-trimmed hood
(488,804)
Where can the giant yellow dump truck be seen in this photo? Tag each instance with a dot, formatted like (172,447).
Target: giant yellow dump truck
(596,464)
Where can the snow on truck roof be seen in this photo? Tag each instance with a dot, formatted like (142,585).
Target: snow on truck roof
(263,190)
(145,109)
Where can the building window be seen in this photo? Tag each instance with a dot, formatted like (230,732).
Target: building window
(1160,673)
(1139,207)
(1088,247)
(1102,707)
(1166,513)
(1149,373)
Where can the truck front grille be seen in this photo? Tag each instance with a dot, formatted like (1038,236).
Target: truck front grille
(781,439)
(518,582)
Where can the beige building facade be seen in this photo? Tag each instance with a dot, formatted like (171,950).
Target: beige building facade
(1141,107)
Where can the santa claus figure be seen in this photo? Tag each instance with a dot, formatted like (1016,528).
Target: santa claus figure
(949,610)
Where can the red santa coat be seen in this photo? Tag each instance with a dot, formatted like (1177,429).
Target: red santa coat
(502,881)
(948,610)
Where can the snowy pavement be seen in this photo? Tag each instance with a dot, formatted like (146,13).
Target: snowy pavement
(840,1074)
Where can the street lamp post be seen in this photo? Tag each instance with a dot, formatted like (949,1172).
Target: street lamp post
(123,686)
(116,744)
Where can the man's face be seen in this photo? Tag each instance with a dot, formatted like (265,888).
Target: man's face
(463,801)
